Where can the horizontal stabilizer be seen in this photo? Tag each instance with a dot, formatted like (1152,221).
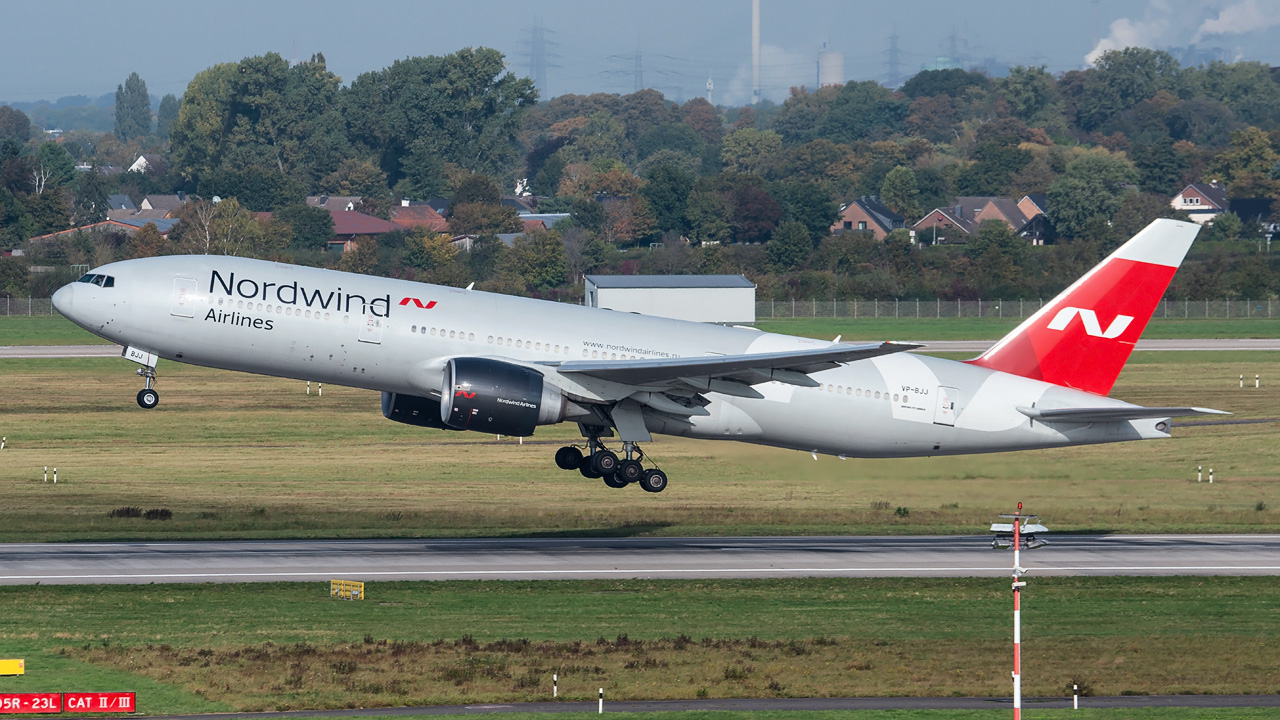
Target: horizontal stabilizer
(1113,414)
(749,368)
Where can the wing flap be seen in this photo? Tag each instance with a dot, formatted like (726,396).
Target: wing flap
(1113,414)
(749,368)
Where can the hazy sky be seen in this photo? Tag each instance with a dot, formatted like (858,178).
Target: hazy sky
(55,48)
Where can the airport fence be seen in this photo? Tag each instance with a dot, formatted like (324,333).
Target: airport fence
(873,308)
(1017,309)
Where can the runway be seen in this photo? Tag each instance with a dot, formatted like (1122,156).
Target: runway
(595,558)
(973,346)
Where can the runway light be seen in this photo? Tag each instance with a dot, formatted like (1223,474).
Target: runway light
(1022,531)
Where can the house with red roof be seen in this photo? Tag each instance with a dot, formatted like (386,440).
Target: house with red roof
(347,224)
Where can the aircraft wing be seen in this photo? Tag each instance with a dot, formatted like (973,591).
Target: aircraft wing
(1113,414)
(790,366)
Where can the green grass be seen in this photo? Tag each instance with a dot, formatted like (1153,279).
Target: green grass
(197,648)
(867,329)
(235,455)
(45,330)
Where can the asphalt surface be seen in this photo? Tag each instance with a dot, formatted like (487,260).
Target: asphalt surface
(584,558)
(974,346)
(759,704)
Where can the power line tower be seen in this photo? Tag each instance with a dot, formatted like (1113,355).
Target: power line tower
(541,55)
(638,72)
(894,61)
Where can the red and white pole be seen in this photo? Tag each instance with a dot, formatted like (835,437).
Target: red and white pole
(1017,619)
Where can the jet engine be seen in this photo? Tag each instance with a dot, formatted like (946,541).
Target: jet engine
(413,410)
(497,397)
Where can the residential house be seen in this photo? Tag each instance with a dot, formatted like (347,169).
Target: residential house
(867,213)
(120,202)
(955,223)
(414,214)
(167,203)
(347,224)
(126,227)
(1202,201)
(335,202)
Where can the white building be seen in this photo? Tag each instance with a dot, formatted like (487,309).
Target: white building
(724,299)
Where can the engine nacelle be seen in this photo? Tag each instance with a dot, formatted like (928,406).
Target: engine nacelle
(498,397)
(413,410)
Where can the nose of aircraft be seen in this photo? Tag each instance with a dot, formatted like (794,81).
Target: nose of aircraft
(63,298)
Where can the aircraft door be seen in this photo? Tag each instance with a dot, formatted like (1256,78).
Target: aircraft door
(186,294)
(945,412)
(371,330)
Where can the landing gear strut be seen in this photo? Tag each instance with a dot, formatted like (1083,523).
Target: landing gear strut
(601,463)
(147,396)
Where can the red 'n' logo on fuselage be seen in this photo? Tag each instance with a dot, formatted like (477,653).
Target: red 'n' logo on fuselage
(430,303)
(465,394)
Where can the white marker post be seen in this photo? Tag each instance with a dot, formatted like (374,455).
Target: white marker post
(1009,535)
(3,440)
(601,710)
(555,685)
(46,473)
(1241,381)
(320,389)
(1075,697)
(1199,473)
(55,472)
(308,387)
(55,476)
(1257,383)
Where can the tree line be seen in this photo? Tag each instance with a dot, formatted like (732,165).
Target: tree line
(653,185)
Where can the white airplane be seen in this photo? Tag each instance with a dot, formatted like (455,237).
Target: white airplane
(467,360)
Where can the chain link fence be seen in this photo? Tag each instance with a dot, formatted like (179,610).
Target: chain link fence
(26,306)
(1017,309)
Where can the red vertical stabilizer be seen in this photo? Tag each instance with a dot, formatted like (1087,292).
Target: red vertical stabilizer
(1083,337)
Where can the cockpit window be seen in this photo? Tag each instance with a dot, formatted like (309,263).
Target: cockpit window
(105,281)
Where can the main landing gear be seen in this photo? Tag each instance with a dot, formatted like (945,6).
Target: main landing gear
(605,464)
(147,396)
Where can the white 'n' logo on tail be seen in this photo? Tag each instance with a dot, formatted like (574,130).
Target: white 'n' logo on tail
(1090,320)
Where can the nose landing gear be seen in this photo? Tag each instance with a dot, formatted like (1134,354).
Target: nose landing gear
(147,396)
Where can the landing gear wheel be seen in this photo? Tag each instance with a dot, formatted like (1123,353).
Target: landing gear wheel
(613,481)
(148,398)
(654,481)
(629,471)
(585,467)
(604,462)
(568,458)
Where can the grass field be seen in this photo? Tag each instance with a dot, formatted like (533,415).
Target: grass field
(56,330)
(198,648)
(236,455)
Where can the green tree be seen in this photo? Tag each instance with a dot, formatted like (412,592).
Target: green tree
(708,214)
(260,188)
(1249,153)
(423,172)
(1027,90)
(863,111)
(538,259)
(147,242)
(1121,79)
(223,228)
(899,192)
(15,273)
(90,197)
(167,115)
(1160,167)
(54,168)
(749,150)
(952,82)
(1092,186)
(668,191)
(755,214)
(133,109)
(995,253)
(789,247)
(464,107)
(356,176)
(995,168)
(670,136)
(427,250)
(14,124)
(361,256)
(810,203)
(1225,227)
(261,113)
(312,227)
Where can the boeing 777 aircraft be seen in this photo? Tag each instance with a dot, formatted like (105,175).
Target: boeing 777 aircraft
(467,360)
